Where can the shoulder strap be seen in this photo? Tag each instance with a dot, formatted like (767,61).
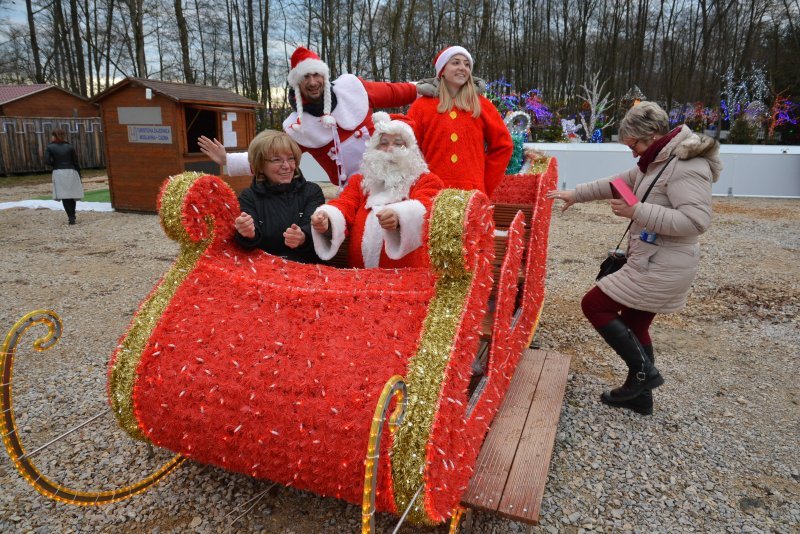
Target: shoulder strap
(649,188)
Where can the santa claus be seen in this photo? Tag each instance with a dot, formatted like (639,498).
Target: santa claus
(332,121)
(383,209)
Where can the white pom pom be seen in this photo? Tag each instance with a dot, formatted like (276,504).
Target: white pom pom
(329,121)
(380,116)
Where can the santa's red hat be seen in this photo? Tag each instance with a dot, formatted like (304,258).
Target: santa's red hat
(394,124)
(304,61)
(446,54)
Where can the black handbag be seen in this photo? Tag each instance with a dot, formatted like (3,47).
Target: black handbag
(613,263)
(617,257)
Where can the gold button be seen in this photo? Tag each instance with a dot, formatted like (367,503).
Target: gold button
(453,114)
(453,158)
(454,137)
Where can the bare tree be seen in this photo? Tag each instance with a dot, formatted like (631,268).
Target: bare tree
(183,35)
(136,12)
(37,62)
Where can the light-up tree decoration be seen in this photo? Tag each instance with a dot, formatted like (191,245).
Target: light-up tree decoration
(598,103)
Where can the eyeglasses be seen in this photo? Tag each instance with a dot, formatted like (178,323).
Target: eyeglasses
(278,162)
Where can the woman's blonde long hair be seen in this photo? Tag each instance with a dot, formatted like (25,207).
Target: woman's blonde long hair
(466,98)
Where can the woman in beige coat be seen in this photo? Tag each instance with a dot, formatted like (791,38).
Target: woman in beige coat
(663,251)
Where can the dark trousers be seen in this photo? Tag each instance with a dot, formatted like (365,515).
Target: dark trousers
(69,206)
(601,309)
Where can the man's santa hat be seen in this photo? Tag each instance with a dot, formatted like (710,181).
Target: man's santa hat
(394,124)
(446,54)
(304,61)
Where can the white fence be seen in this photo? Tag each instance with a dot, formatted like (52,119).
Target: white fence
(750,170)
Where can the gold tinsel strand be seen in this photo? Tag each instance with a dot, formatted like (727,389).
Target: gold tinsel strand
(426,369)
(538,162)
(123,373)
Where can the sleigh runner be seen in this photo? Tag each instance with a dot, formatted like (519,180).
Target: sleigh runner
(287,371)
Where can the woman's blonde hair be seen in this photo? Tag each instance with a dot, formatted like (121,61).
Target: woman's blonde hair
(266,145)
(466,98)
(643,121)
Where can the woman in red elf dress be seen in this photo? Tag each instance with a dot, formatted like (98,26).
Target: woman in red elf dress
(461,134)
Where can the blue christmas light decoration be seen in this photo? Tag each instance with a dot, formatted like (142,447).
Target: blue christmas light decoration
(723,105)
(597,136)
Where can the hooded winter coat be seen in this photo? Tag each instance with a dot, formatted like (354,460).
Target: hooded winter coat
(658,275)
(274,208)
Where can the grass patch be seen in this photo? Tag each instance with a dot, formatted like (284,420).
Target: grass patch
(98,195)
(43,178)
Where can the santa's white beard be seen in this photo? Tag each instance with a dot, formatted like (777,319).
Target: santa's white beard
(388,176)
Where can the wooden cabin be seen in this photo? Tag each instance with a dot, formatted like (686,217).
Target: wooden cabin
(151,130)
(28,113)
(43,100)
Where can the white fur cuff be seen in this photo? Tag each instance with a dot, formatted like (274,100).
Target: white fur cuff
(325,247)
(238,165)
(408,237)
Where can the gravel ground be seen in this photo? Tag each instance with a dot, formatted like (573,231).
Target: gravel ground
(719,455)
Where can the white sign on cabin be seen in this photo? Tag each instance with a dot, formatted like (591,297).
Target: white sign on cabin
(150,134)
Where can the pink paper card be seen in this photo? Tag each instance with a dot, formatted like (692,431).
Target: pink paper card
(621,190)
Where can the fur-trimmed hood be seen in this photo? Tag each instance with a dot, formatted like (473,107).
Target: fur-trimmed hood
(688,144)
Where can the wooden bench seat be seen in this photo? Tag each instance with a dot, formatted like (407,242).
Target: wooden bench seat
(512,466)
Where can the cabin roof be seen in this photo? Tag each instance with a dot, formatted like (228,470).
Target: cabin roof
(184,93)
(10,93)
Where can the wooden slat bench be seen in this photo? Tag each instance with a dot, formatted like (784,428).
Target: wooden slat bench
(512,466)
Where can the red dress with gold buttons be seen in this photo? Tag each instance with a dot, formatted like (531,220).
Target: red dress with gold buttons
(466,152)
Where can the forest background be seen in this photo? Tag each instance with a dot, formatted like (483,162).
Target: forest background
(708,62)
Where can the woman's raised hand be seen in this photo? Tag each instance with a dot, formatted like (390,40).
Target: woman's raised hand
(568,196)
(245,226)
(213,149)
(293,237)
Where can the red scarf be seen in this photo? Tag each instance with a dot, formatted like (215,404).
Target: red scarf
(652,151)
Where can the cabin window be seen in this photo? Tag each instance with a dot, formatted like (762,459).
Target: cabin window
(200,122)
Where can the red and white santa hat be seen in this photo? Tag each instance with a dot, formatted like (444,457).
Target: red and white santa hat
(394,124)
(304,61)
(446,54)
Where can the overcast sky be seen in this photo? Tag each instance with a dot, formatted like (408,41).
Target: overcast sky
(13,11)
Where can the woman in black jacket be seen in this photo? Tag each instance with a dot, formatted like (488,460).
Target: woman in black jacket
(67,185)
(277,207)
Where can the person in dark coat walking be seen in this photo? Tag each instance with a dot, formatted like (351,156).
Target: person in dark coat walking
(67,185)
(277,207)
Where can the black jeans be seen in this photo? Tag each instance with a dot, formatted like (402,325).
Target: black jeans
(69,206)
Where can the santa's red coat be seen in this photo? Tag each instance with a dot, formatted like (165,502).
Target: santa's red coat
(355,100)
(466,152)
(352,206)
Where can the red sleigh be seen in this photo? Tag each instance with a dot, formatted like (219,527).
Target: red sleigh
(287,371)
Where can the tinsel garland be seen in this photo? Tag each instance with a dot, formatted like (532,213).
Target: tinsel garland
(515,163)
(429,450)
